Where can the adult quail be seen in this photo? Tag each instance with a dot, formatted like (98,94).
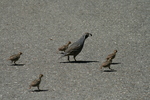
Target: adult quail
(36,83)
(107,63)
(64,47)
(76,47)
(15,57)
(112,56)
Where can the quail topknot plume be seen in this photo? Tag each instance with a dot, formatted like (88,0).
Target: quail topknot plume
(36,83)
(64,47)
(15,57)
(112,56)
(107,63)
(76,47)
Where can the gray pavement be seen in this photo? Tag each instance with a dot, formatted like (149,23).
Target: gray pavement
(38,27)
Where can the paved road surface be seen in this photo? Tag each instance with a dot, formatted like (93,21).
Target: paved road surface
(38,27)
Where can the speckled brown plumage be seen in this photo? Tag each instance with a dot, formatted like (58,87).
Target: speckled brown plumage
(112,56)
(36,83)
(15,57)
(64,47)
(107,63)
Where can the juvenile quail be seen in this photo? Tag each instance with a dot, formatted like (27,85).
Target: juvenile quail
(64,47)
(76,47)
(107,63)
(15,57)
(112,56)
(36,83)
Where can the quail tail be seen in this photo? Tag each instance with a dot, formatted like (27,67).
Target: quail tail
(62,56)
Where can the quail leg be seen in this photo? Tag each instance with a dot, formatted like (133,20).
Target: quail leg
(74,58)
(38,87)
(68,59)
(15,62)
(109,67)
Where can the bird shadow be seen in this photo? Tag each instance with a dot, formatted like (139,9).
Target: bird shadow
(79,61)
(112,70)
(115,63)
(17,64)
(39,90)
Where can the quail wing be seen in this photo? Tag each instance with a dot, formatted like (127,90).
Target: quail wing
(35,83)
(13,57)
(75,47)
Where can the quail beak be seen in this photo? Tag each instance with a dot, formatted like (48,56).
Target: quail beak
(87,35)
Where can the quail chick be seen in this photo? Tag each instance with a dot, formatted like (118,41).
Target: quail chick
(112,56)
(107,63)
(64,47)
(15,57)
(36,83)
(76,47)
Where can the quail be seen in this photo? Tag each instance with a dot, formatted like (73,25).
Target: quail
(36,83)
(64,47)
(107,63)
(112,56)
(15,57)
(76,47)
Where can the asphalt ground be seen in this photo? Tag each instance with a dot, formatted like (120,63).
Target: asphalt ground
(38,28)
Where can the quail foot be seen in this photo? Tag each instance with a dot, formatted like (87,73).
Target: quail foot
(64,47)
(36,83)
(15,57)
(76,47)
(107,63)
(112,56)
